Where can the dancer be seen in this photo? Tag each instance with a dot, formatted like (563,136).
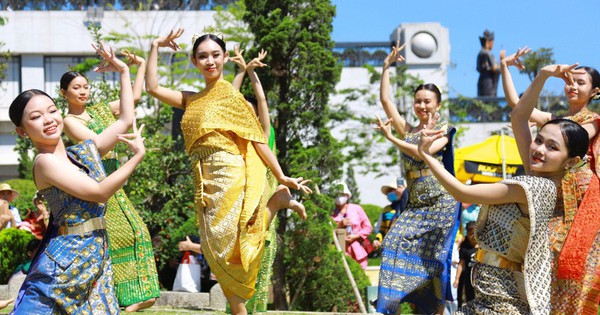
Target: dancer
(71,271)
(229,152)
(513,273)
(514,260)
(416,257)
(130,246)
(573,226)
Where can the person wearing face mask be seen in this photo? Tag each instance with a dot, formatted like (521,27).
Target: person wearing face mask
(397,195)
(353,218)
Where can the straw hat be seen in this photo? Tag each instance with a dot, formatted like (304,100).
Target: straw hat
(6,187)
(385,189)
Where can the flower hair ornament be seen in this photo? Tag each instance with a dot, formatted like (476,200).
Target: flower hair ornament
(579,164)
(196,36)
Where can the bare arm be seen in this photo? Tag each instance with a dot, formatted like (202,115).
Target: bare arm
(107,140)
(165,95)
(405,147)
(389,107)
(459,270)
(51,170)
(188,245)
(238,59)
(261,99)
(496,193)
(138,83)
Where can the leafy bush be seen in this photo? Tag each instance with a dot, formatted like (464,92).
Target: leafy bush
(327,288)
(26,189)
(13,251)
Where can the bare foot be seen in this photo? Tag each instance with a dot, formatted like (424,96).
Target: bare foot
(5,303)
(282,199)
(140,306)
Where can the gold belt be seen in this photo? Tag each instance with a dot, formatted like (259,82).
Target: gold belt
(110,155)
(98,223)
(419,173)
(490,258)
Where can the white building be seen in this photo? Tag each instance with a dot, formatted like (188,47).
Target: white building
(43,44)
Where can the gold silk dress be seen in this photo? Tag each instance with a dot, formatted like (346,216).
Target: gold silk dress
(512,273)
(231,190)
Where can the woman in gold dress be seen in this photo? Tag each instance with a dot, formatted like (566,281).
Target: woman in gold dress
(230,157)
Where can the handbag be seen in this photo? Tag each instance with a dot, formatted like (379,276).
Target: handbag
(188,275)
(366,244)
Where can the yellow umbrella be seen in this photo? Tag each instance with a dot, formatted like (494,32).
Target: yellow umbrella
(484,161)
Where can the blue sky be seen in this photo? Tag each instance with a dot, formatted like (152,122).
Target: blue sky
(571,28)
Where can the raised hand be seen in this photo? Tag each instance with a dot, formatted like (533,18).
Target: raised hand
(431,121)
(427,138)
(394,55)
(134,140)
(564,72)
(238,58)
(257,62)
(296,183)
(109,62)
(385,128)
(169,40)
(513,60)
(132,58)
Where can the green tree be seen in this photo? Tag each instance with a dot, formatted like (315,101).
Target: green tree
(537,59)
(298,89)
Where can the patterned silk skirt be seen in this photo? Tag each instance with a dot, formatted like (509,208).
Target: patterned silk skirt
(232,226)
(70,274)
(497,291)
(130,250)
(415,265)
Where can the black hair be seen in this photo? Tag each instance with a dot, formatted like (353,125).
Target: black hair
(430,87)
(470,224)
(252,100)
(66,78)
(17,107)
(595,75)
(205,37)
(575,136)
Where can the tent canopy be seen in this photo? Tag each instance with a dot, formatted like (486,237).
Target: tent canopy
(482,162)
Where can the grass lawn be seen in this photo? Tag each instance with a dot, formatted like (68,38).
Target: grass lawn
(155,311)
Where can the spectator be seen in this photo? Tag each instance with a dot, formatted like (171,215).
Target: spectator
(207,279)
(353,218)
(397,194)
(462,281)
(488,68)
(469,213)
(36,221)
(8,194)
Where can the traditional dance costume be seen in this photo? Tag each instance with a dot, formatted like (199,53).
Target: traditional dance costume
(513,269)
(575,235)
(71,271)
(416,257)
(231,190)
